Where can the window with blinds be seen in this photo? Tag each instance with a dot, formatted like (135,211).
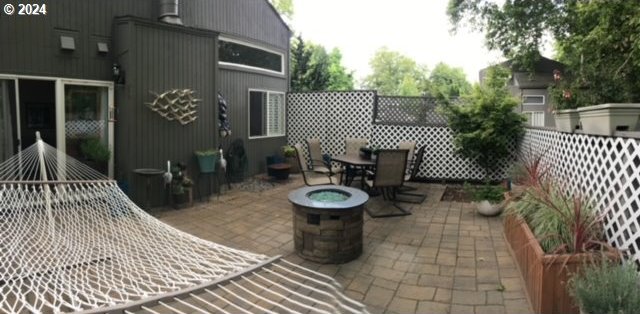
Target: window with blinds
(266,114)
(534,118)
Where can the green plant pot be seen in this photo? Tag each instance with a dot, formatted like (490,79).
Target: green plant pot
(207,163)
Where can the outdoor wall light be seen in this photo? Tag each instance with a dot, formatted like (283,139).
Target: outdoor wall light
(118,74)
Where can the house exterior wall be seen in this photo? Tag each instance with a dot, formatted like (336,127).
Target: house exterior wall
(155,57)
(548,116)
(235,85)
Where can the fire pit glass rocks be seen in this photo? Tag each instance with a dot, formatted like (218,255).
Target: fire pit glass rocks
(327,223)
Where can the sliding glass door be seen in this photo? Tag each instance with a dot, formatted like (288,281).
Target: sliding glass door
(88,128)
(8,143)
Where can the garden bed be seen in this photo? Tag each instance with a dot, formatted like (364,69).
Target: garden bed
(456,193)
(545,275)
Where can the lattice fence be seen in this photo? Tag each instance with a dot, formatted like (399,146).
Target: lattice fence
(407,111)
(329,116)
(606,169)
(334,116)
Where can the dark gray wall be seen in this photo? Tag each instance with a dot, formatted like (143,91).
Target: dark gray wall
(30,45)
(235,86)
(253,19)
(158,57)
(154,58)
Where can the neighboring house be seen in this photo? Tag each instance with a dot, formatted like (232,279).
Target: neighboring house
(87,68)
(531,89)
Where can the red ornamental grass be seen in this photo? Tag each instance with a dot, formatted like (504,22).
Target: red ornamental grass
(536,169)
(579,225)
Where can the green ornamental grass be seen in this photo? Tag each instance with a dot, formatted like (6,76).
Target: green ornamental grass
(607,288)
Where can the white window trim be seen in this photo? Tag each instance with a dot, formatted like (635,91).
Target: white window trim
(544,101)
(284,109)
(544,118)
(243,66)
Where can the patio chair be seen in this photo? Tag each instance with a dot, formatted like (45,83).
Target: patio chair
(312,177)
(411,147)
(414,168)
(388,178)
(317,162)
(353,146)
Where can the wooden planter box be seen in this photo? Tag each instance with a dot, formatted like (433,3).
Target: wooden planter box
(545,275)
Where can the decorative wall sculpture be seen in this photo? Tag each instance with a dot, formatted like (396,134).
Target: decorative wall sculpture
(176,104)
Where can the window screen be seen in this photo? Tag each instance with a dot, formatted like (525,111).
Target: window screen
(533,100)
(266,113)
(235,53)
(534,118)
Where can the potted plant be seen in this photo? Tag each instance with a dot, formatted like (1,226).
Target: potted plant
(289,153)
(207,160)
(369,152)
(606,287)
(552,233)
(181,186)
(563,104)
(574,107)
(490,200)
(96,154)
(484,124)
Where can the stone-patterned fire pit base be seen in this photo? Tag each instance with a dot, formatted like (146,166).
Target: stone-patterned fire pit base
(328,231)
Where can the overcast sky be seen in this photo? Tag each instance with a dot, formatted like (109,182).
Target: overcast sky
(416,28)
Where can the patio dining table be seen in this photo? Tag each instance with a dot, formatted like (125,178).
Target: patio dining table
(357,162)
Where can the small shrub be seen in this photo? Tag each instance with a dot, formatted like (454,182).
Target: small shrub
(93,149)
(288,151)
(605,287)
(492,193)
(208,152)
(484,123)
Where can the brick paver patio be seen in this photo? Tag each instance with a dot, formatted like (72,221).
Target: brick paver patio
(443,258)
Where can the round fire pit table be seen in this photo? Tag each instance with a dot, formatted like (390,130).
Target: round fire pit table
(327,223)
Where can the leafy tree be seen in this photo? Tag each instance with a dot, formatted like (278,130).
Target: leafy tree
(317,77)
(396,74)
(300,58)
(446,82)
(313,69)
(339,77)
(598,40)
(484,122)
(284,7)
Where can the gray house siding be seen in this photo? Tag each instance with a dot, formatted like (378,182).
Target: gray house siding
(235,85)
(548,116)
(155,57)
(254,19)
(524,83)
(159,57)
(31,44)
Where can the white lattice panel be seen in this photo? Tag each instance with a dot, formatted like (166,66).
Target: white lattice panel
(334,116)
(329,116)
(440,160)
(606,169)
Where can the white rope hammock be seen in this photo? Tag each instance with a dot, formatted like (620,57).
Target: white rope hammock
(72,241)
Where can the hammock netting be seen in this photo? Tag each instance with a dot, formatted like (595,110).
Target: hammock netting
(72,241)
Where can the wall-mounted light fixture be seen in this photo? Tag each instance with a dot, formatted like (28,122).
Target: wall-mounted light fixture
(118,74)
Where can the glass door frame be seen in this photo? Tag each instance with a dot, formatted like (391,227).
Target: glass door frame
(60,108)
(60,113)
